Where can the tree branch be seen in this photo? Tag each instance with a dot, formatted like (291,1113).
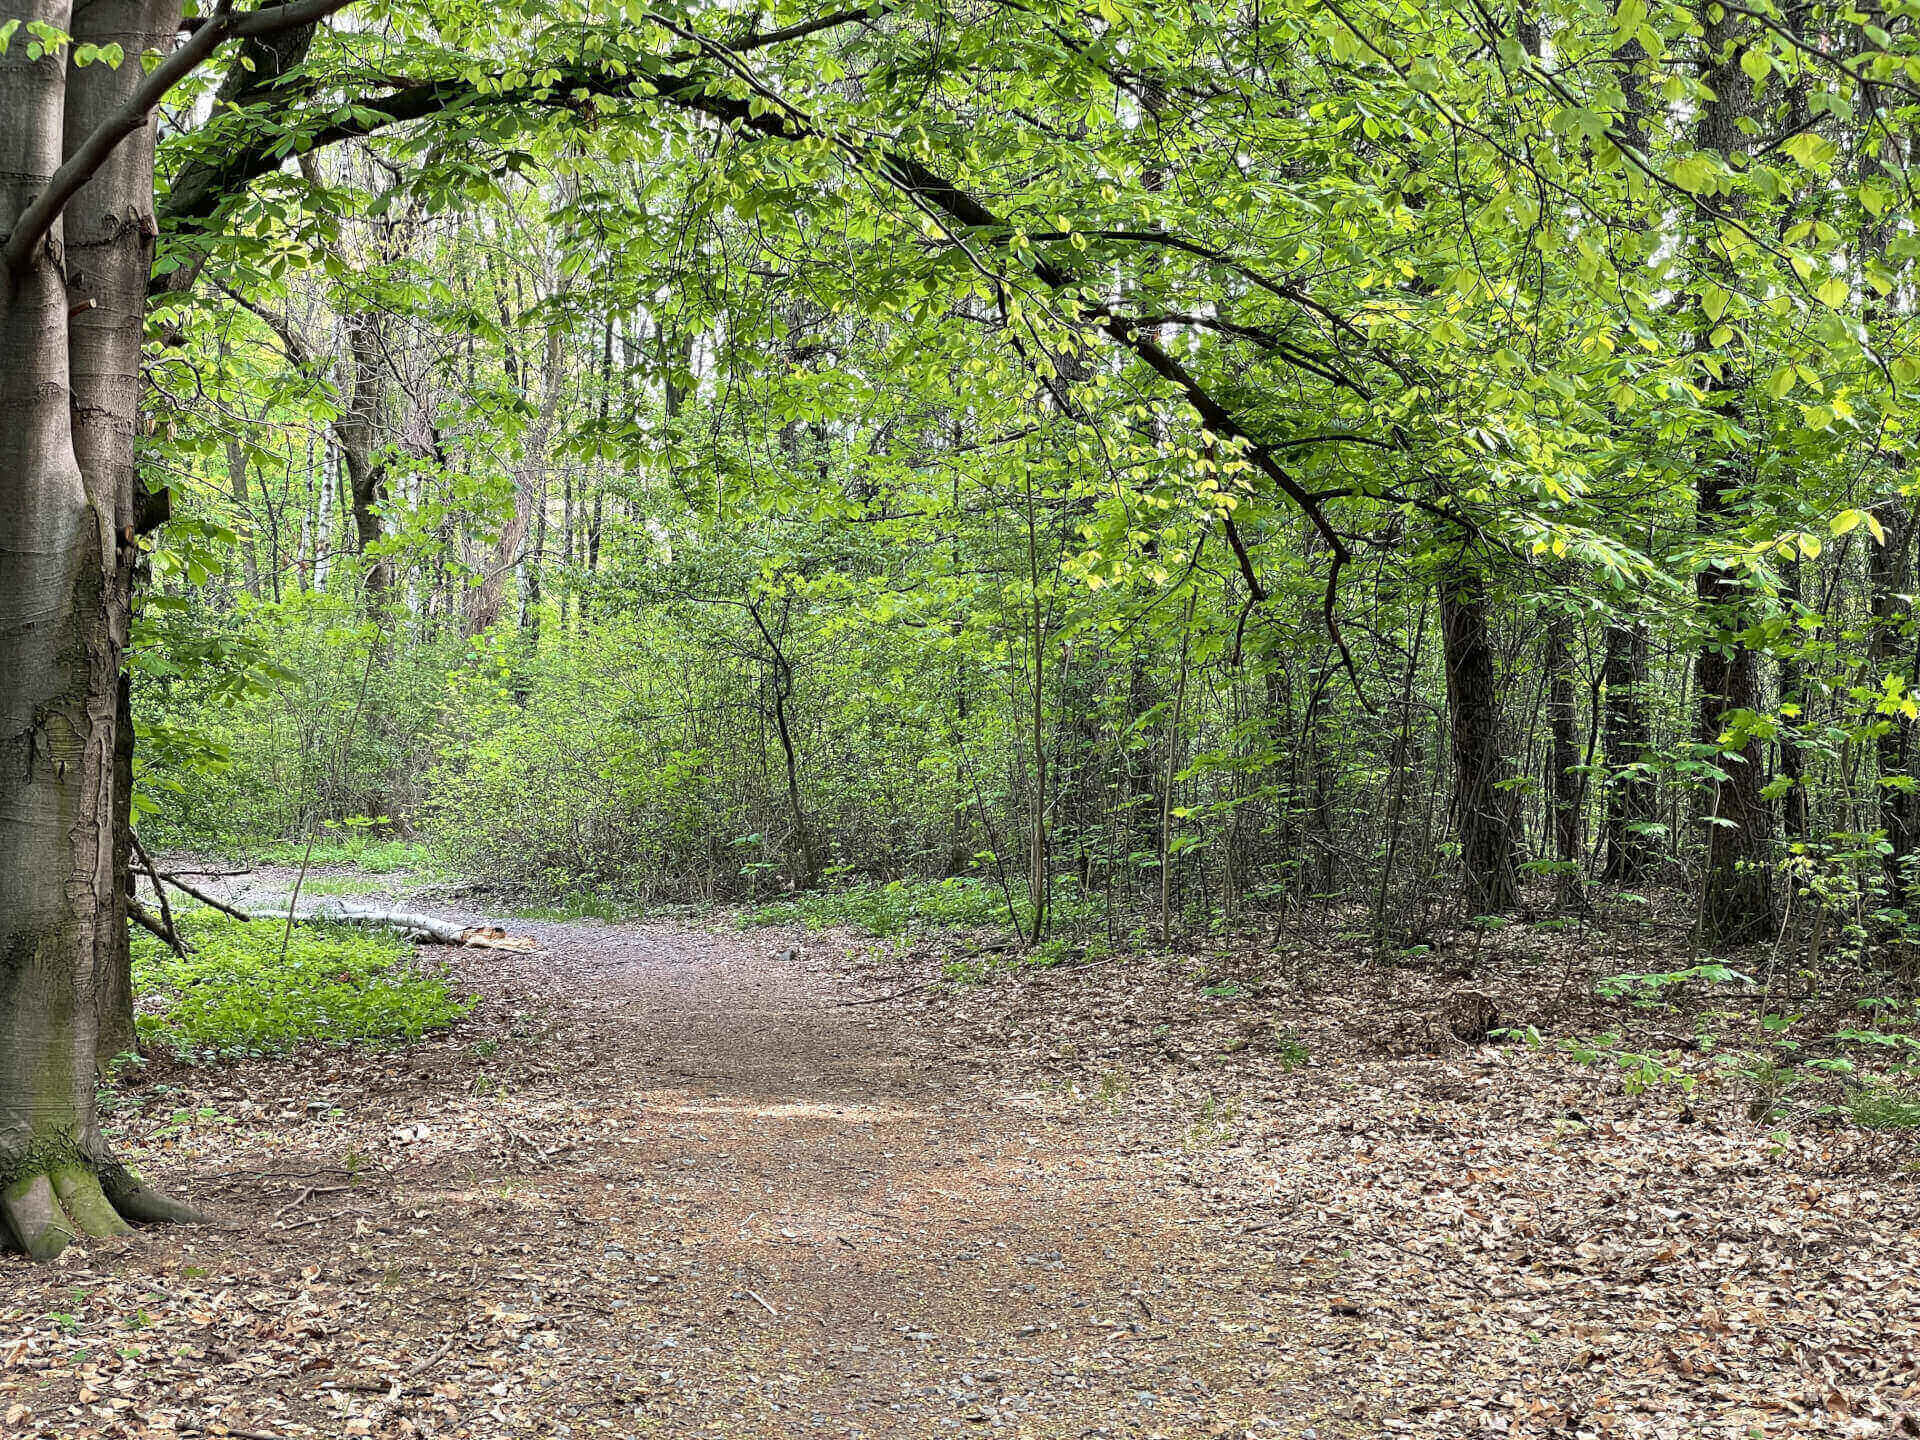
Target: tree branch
(37,219)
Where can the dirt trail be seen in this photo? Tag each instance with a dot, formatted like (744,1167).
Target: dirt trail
(669,1182)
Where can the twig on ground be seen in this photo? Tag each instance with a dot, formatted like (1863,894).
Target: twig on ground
(307,1194)
(765,1304)
(320,1219)
(882,999)
(434,1359)
(530,1143)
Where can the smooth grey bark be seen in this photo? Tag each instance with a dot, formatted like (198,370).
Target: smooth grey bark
(110,230)
(56,549)
(68,522)
(529,485)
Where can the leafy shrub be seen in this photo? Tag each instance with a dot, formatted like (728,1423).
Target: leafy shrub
(233,995)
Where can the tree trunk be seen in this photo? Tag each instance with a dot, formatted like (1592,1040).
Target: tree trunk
(1563,759)
(358,430)
(529,481)
(1736,903)
(109,230)
(113,968)
(62,633)
(1483,808)
(806,860)
(1629,751)
(1793,756)
(237,483)
(1890,581)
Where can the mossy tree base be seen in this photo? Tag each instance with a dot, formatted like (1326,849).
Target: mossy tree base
(44,1210)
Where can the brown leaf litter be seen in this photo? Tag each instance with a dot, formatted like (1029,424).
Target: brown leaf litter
(667,1182)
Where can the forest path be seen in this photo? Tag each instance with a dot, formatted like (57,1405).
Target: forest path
(668,1181)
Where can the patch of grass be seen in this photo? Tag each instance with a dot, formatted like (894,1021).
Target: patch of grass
(356,849)
(1290,1050)
(577,905)
(341,885)
(892,909)
(233,996)
(1214,1125)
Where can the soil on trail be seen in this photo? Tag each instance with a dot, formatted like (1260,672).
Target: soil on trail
(668,1181)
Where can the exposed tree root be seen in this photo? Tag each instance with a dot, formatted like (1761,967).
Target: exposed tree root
(46,1209)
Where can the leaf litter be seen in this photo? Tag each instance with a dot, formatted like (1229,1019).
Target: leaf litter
(666,1181)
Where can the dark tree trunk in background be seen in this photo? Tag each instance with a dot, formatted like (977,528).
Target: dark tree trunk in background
(1890,581)
(1793,758)
(358,430)
(805,859)
(1628,738)
(237,483)
(1483,810)
(1736,902)
(1563,758)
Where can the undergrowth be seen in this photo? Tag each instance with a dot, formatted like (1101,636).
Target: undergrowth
(351,847)
(894,908)
(1789,1065)
(578,905)
(233,995)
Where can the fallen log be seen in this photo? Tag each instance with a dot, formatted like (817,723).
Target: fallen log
(346,912)
(410,923)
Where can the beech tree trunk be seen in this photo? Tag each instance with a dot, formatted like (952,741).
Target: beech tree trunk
(529,486)
(110,230)
(1483,808)
(68,397)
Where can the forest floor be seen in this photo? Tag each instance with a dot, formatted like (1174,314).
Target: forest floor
(671,1179)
